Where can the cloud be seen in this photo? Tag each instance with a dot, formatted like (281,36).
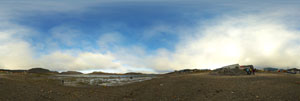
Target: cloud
(15,53)
(110,39)
(70,60)
(66,35)
(261,39)
(258,39)
(157,31)
(247,36)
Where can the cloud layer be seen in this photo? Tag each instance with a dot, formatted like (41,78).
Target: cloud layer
(259,39)
(246,36)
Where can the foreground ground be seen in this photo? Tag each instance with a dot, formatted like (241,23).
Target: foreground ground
(184,87)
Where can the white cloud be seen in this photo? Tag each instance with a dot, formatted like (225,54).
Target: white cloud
(259,39)
(15,53)
(108,40)
(157,31)
(69,60)
(66,35)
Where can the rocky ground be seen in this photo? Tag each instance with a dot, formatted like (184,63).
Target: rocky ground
(175,87)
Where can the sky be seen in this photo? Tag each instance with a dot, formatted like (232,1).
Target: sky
(149,36)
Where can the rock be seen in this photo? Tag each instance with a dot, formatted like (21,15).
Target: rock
(71,72)
(38,70)
(229,70)
(161,84)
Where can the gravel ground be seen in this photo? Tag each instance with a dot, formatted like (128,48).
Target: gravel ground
(183,87)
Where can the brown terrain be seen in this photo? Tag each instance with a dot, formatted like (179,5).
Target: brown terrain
(172,87)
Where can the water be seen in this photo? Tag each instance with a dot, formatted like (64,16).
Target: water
(101,80)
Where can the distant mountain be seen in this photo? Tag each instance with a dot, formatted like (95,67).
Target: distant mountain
(71,72)
(38,70)
(32,70)
(184,71)
(13,71)
(102,73)
(41,71)
(133,73)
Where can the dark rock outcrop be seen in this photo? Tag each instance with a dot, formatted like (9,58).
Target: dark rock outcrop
(186,71)
(71,72)
(228,71)
(39,70)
